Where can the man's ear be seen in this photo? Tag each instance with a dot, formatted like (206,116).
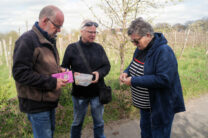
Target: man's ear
(81,31)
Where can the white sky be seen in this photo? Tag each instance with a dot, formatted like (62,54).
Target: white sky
(15,13)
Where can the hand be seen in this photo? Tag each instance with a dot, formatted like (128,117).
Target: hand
(127,81)
(60,83)
(96,77)
(123,77)
(76,73)
(64,69)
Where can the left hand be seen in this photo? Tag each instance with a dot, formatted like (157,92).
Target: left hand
(96,77)
(127,81)
(64,69)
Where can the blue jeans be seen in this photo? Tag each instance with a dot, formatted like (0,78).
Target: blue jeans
(80,106)
(148,131)
(43,124)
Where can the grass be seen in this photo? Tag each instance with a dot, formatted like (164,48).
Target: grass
(193,70)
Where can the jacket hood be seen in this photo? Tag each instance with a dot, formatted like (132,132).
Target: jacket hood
(159,40)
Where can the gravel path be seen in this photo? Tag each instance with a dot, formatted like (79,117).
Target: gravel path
(190,124)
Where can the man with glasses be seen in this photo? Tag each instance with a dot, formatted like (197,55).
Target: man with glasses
(154,80)
(35,59)
(86,56)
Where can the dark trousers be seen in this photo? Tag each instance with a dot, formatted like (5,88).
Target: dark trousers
(148,131)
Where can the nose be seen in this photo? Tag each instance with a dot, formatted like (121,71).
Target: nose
(94,34)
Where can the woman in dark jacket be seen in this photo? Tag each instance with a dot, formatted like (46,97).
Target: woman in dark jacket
(154,80)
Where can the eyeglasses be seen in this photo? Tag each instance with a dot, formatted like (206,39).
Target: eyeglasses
(136,41)
(90,24)
(92,32)
(57,26)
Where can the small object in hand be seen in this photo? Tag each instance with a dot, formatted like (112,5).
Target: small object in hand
(65,75)
(83,79)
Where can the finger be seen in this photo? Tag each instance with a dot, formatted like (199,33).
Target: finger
(66,69)
(96,75)
(76,73)
(93,81)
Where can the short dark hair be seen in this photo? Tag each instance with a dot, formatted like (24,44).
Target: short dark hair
(140,27)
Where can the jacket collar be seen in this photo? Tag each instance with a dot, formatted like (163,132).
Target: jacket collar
(41,37)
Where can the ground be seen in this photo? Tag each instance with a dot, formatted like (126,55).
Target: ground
(190,124)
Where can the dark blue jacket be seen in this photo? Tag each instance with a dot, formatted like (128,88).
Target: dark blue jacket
(162,79)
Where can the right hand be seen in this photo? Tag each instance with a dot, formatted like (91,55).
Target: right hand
(123,77)
(60,83)
(76,73)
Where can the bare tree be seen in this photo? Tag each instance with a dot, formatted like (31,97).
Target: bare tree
(118,14)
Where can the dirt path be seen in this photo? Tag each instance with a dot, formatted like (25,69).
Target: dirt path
(190,124)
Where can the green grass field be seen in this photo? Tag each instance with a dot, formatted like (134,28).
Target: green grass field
(193,70)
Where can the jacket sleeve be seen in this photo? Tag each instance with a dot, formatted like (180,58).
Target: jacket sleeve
(164,72)
(105,68)
(23,68)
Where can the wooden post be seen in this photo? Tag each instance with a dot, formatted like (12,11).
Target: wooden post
(206,44)
(1,53)
(186,39)
(175,40)
(19,31)
(26,25)
(60,46)
(194,39)
(5,52)
(10,56)
(206,51)
(1,50)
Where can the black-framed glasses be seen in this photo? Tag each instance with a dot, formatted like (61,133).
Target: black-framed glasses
(57,26)
(91,24)
(136,41)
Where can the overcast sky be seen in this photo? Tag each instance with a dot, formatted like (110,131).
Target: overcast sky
(15,13)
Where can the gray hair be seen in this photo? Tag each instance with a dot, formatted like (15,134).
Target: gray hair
(48,11)
(82,27)
(140,27)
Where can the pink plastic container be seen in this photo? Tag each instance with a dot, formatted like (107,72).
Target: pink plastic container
(64,75)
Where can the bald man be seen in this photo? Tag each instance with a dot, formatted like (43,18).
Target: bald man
(35,58)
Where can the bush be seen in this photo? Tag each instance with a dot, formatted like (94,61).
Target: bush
(13,122)
(5,93)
